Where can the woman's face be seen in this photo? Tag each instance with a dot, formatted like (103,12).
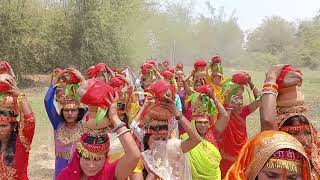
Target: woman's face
(179,77)
(146,81)
(303,136)
(70,114)
(91,167)
(6,129)
(202,126)
(278,174)
(199,82)
(216,79)
(157,137)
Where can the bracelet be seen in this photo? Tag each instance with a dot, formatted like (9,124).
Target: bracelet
(19,98)
(269,89)
(122,133)
(269,92)
(118,126)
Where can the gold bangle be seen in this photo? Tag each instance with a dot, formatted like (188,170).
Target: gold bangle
(19,98)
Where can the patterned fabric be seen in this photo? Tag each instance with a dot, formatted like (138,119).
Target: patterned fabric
(167,161)
(19,171)
(257,151)
(65,143)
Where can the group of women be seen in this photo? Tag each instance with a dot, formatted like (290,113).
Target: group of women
(163,124)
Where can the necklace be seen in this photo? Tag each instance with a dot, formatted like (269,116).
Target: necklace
(69,136)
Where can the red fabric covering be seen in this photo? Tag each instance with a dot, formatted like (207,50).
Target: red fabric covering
(160,88)
(179,66)
(188,115)
(97,93)
(170,69)
(285,70)
(101,67)
(236,136)
(167,74)
(145,68)
(73,170)
(216,59)
(212,136)
(203,89)
(152,61)
(241,78)
(200,64)
(4,65)
(70,77)
(92,72)
(117,83)
(21,156)
(4,87)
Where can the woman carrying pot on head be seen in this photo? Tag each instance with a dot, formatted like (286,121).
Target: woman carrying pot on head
(65,114)
(15,135)
(283,108)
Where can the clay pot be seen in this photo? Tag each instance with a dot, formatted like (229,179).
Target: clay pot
(290,96)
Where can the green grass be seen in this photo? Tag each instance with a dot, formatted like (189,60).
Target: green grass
(41,162)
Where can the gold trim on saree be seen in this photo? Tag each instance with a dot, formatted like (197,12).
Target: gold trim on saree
(69,136)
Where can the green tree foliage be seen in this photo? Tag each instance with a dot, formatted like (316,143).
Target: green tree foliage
(37,36)
(273,36)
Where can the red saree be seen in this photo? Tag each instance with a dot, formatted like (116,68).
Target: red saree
(233,138)
(19,171)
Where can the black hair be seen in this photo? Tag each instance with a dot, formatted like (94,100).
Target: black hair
(11,145)
(291,120)
(82,112)
(8,113)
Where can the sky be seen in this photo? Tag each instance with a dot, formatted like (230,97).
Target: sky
(250,13)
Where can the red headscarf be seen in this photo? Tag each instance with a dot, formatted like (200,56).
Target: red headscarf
(92,72)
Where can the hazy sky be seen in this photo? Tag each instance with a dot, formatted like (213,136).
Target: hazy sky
(251,12)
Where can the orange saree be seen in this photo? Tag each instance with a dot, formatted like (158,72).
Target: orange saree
(256,153)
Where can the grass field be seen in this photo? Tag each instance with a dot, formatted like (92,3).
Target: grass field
(41,164)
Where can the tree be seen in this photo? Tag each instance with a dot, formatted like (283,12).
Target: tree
(272,36)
